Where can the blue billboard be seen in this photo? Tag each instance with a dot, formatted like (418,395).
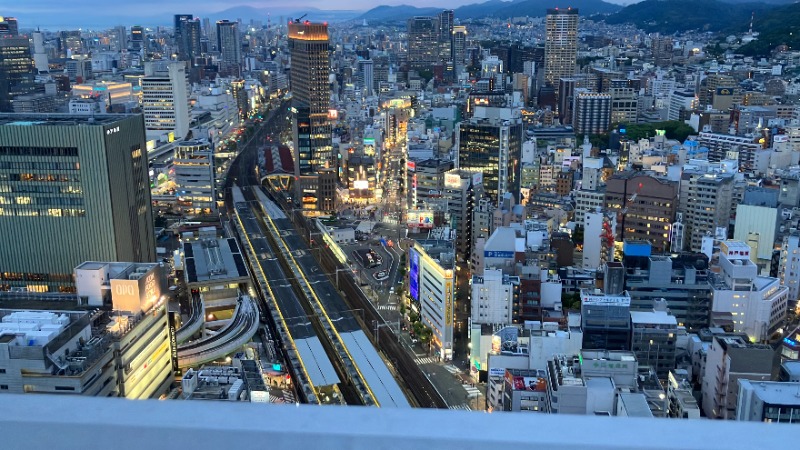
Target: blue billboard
(413,274)
(497,254)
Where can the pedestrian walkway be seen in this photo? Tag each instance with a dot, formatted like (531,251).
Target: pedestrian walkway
(472,391)
(425,360)
(461,407)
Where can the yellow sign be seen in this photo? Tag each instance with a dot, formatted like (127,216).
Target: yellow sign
(448,303)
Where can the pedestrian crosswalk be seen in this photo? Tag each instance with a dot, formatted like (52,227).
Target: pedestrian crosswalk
(472,391)
(461,407)
(288,397)
(387,307)
(425,360)
(452,369)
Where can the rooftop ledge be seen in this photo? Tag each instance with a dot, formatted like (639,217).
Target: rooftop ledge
(45,421)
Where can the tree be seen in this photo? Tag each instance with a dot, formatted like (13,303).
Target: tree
(577,235)
(570,300)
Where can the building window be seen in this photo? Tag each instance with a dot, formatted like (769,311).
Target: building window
(65,388)
(3,387)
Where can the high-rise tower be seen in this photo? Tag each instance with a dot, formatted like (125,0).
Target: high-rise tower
(187,36)
(9,26)
(308,44)
(229,45)
(423,38)
(16,70)
(561,45)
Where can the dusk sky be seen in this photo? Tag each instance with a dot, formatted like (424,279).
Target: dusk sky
(90,13)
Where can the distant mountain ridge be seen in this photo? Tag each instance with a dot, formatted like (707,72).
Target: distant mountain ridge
(670,16)
(492,8)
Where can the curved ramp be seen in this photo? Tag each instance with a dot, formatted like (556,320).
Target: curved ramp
(237,333)
(195,322)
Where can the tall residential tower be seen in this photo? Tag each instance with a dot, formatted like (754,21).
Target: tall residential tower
(560,45)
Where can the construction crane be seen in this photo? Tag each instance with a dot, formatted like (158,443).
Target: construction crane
(300,18)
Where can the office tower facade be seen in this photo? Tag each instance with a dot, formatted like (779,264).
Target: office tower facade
(9,27)
(491,143)
(308,45)
(165,99)
(605,315)
(591,112)
(654,334)
(423,38)
(137,38)
(229,44)
(561,45)
(194,175)
(187,37)
(121,36)
(624,105)
(17,71)
(681,280)
(446,35)
(661,48)
(367,76)
(459,45)
(462,190)
(431,287)
(789,266)
(40,59)
(72,189)
(649,203)
(705,201)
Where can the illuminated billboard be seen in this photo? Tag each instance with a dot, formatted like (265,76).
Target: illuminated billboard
(420,219)
(413,274)
(452,180)
(369,146)
(360,184)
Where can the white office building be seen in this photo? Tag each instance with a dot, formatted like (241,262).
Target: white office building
(432,286)
(747,302)
(493,297)
(595,248)
(165,100)
(194,175)
(768,401)
(789,269)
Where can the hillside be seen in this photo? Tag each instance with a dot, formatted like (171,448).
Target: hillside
(398,13)
(669,16)
(778,26)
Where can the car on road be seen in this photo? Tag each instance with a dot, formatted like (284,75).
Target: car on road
(380,275)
